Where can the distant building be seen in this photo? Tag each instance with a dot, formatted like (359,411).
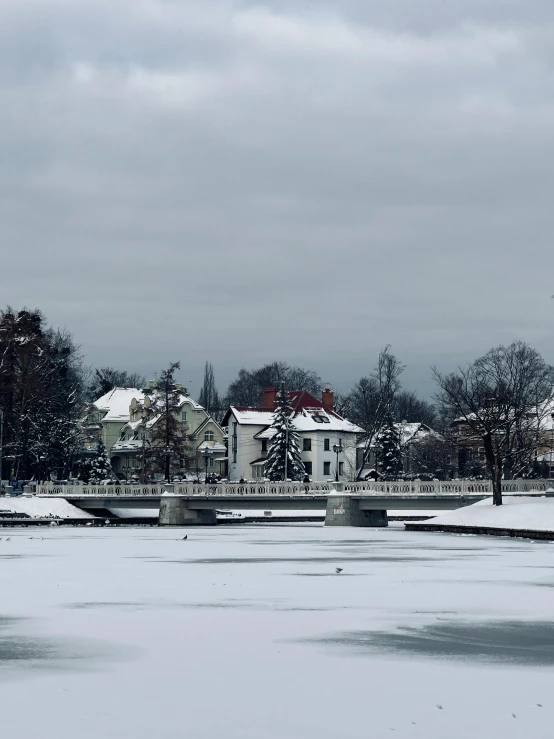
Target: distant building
(105,418)
(320,428)
(204,448)
(417,443)
(470,452)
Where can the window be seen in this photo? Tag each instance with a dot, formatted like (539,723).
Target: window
(209,436)
(308,468)
(306,445)
(210,461)
(341,468)
(326,468)
(264,445)
(327,445)
(324,419)
(184,416)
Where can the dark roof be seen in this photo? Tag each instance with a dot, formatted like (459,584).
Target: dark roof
(299,400)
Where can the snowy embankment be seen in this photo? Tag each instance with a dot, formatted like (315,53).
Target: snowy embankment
(41,507)
(514,517)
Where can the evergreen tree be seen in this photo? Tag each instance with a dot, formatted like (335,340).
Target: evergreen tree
(83,469)
(41,395)
(168,436)
(209,397)
(284,456)
(101,467)
(389,455)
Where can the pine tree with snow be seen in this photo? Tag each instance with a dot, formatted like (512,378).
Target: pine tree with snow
(390,456)
(101,467)
(83,470)
(284,457)
(169,440)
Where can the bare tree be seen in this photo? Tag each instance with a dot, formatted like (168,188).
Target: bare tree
(247,389)
(105,379)
(503,400)
(432,455)
(408,407)
(372,399)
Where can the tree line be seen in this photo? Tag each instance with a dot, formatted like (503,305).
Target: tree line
(503,399)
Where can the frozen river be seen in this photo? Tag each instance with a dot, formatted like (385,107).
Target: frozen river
(247,631)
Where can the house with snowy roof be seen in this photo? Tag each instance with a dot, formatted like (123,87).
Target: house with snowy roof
(319,427)
(413,436)
(106,416)
(538,426)
(204,451)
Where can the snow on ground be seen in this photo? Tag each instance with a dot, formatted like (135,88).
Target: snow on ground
(533,514)
(246,632)
(42,507)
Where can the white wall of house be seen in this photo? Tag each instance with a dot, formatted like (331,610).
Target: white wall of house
(321,461)
(243,449)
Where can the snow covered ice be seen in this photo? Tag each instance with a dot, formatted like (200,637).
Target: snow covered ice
(248,631)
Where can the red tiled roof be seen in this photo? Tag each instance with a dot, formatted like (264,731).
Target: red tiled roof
(299,400)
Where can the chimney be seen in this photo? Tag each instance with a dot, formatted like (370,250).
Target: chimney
(270,398)
(328,399)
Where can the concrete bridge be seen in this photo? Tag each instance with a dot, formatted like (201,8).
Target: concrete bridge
(346,504)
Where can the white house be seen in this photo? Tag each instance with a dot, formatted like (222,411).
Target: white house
(322,431)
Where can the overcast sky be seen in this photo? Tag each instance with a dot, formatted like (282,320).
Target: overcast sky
(305,181)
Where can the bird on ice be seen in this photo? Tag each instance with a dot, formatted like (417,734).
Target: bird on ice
(338,570)
(185,537)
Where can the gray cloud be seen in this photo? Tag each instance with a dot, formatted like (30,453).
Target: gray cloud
(243,182)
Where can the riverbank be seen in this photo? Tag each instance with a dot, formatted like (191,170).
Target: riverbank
(527,517)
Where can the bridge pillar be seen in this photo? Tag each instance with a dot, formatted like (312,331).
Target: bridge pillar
(175,511)
(343,510)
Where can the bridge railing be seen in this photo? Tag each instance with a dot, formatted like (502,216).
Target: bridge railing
(190,489)
(288,489)
(438,487)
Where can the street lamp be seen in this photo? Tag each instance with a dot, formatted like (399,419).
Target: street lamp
(207,455)
(337,448)
(42,463)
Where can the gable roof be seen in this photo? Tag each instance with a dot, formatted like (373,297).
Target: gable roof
(309,415)
(116,403)
(203,425)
